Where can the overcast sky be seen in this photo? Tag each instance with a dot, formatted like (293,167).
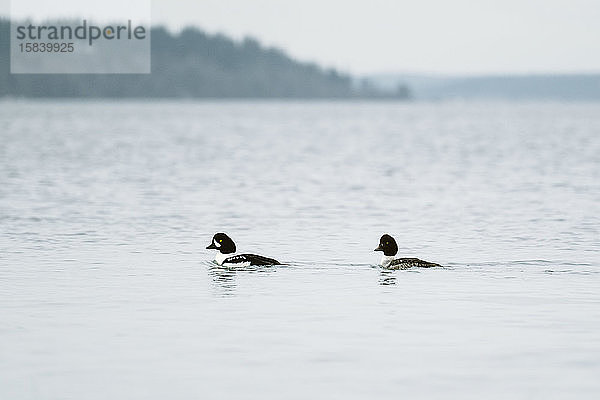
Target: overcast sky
(445,36)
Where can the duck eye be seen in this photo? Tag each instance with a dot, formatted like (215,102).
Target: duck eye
(220,240)
(387,242)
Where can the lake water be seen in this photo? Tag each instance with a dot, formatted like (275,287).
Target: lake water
(107,291)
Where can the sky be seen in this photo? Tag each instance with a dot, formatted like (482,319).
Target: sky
(465,37)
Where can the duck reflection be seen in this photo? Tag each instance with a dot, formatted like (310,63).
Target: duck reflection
(387,277)
(223,278)
(226,279)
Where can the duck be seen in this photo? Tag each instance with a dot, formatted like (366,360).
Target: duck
(389,247)
(226,254)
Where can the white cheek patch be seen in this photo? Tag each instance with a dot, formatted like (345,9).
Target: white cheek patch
(217,244)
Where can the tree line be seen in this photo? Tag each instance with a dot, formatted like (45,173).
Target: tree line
(194,64)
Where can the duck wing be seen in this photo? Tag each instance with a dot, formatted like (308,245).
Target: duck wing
(253,259)
(404,263)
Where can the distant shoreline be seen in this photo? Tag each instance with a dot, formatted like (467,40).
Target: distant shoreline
(288,100)
(584,86)
(194,64)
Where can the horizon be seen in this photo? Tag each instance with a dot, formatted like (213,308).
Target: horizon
(425,38)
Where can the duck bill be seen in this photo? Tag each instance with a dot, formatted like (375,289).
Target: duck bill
(212,246)
(378,248)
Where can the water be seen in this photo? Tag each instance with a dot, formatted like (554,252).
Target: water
(107,291)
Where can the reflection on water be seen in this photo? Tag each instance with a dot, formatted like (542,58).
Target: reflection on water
(387,277)
(225,277)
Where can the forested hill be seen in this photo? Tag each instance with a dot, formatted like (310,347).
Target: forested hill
(193,64)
